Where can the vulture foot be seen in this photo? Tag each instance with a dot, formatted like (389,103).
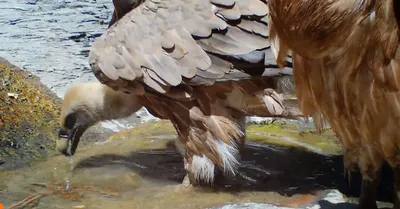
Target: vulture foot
(186,181)
(190,181)
(368,194)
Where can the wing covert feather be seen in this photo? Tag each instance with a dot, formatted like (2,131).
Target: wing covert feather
(165,43)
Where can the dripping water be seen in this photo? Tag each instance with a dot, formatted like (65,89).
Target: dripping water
(69,174)
(71,163)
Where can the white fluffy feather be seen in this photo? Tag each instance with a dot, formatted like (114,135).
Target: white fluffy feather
(229,155)
(202,169)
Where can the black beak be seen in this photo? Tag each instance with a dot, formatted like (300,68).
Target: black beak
(68,142)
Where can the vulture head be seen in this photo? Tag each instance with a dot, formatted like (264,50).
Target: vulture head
(86,104)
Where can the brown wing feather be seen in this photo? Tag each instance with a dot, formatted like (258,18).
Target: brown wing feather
(161,44)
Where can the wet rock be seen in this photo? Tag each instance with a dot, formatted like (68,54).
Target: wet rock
(29,114)
(250,205)
(329,199)
(78,37)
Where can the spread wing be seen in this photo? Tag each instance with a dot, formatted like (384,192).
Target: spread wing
(165,43)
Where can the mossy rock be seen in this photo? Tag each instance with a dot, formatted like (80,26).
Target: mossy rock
(28,113)
(282,132)
(29,117)
(287,133)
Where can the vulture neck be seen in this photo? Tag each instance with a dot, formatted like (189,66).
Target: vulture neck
(112,104)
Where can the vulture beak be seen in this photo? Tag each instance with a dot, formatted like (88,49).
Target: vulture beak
(68,140)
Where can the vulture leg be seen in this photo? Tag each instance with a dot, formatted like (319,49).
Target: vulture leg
(369,194)
(189,179)
(210,141)
(209,135)
(207,158)
(211,127)
(371,173)
(396,189)
(356,159)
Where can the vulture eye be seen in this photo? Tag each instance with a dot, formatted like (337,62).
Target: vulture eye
(70,121)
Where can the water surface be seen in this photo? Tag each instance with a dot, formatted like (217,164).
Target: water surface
(141,168)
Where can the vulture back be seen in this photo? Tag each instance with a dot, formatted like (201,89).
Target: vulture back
(164,45)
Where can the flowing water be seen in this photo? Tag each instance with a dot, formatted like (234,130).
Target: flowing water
(52,39)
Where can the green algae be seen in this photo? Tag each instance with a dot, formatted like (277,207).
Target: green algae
(287,134)
(279,133)
(162,127)
(141,134)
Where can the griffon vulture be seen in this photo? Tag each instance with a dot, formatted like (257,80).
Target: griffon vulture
(346,63)
(202,64)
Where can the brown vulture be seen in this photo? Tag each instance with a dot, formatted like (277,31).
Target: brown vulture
(202,64)
(346,64)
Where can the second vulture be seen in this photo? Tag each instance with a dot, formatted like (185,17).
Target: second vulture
(346,59)
(202,64)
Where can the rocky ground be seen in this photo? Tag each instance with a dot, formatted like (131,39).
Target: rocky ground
(29,114)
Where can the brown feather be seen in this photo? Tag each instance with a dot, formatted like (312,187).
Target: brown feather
(346,69)
(160,36)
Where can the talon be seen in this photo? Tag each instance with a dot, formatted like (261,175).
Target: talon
(186,181)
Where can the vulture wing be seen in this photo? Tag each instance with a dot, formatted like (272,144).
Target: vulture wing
(164,43)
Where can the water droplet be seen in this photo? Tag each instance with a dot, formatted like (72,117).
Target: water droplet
(69,175)
(67,184)
(71,163)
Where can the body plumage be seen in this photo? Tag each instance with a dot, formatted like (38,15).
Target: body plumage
(346,63)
